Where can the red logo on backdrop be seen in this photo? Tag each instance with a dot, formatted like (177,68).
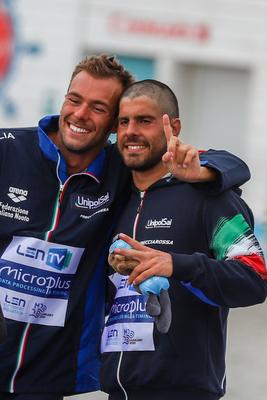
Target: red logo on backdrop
(125,24)
(10,47)
(6,41)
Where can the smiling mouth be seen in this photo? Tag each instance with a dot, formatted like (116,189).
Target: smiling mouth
(135,147)
(77,129)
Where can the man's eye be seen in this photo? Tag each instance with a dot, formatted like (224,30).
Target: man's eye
(123,122)
(99,109)
(73,100)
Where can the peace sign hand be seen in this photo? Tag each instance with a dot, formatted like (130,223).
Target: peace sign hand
(181,160)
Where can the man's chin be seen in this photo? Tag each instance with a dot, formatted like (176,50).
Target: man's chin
(78,149)
(133,164)
(140,164)
(139,167)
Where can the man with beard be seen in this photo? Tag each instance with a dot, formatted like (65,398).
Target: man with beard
(204,244)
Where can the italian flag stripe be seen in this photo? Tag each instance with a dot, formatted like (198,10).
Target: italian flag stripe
(256,263)
(233,239)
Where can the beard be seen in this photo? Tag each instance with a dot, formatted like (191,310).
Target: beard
(136,163)
(143,162)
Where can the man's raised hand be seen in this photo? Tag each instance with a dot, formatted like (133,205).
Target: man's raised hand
(181,160)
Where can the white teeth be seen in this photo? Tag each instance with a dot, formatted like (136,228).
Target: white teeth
(136,147)
(78,130)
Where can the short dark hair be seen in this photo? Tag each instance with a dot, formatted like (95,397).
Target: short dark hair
(157,91)
(104,66)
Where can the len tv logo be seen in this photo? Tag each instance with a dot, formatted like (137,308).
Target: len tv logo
(58,258)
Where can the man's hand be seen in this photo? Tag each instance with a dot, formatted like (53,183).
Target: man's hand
(149,262)
(182,160)
(121,264)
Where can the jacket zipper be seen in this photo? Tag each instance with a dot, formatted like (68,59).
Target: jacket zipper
(26,331)
(142,195)
(59,199)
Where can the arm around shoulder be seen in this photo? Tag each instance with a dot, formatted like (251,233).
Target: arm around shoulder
(230,170)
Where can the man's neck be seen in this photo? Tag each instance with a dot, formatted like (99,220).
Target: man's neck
(144,179)
(75,166)
(76,162)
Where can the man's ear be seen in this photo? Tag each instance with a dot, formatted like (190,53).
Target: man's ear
(176,126)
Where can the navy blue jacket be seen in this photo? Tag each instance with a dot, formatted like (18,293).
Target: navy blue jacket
(217,263)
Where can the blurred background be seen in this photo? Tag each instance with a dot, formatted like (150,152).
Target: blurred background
(213,53)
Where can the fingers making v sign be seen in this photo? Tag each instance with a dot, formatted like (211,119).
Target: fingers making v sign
(181,160)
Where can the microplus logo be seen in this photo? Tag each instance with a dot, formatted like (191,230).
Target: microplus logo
(28,282)
(87,203)
(55,258)
(121,306)
(162,223)
(17,195)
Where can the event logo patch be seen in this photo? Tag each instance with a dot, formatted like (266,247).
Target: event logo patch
(128,336)
(58,258)
(39,311)
(35,280)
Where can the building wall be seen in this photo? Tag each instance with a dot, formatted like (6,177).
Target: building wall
(212,53)
(44,51)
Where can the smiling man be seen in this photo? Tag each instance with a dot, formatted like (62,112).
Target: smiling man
(207,250)
(86,118)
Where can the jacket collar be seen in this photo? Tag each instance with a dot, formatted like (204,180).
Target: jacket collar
(52,152)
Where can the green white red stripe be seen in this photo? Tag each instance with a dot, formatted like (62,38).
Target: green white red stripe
(26,332)
(233,239)
(20,358)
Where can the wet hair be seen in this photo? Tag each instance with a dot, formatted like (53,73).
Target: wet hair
(157,91)
(104,66)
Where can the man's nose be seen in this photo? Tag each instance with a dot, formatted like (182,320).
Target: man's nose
(131,128)
(82,112)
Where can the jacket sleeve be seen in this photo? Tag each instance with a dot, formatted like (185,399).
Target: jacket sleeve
(233,272)
(231,171)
